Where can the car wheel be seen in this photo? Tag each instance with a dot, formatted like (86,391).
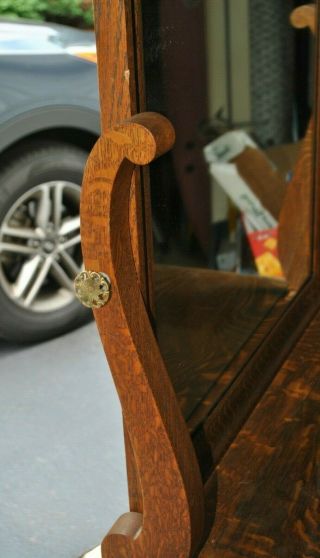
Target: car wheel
(40,251)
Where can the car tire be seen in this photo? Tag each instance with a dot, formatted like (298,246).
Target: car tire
(45,164)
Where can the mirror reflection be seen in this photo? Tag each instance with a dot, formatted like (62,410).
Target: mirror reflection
(236,80)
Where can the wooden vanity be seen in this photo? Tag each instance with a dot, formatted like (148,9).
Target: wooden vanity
(217,370)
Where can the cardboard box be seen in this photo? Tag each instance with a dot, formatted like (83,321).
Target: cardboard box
(257,189)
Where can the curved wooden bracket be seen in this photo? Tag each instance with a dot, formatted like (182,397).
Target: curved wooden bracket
(304,16)
(173,501)
(295,238)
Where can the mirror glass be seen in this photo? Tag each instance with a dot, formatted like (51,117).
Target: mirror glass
(236,81)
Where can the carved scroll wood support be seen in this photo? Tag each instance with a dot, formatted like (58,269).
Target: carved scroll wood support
(118,25)
(304,16)
(173,503)
(295,237)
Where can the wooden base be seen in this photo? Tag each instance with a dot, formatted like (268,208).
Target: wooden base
(268,481)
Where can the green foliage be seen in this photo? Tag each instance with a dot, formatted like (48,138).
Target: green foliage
(72,12)
(75,10)
(29,9)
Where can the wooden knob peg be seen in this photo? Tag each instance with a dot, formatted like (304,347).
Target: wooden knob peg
(92,288)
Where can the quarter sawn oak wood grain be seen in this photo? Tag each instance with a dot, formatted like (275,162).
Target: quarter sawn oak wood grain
(162,449)
(117,27)
(172,473)
(268,481)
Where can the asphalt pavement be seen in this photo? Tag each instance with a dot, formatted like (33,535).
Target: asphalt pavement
(62,468)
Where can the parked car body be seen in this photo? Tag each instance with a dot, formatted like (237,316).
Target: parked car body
(49,121)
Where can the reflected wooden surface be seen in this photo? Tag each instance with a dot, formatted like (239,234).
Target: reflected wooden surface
(198,223)
(203,319)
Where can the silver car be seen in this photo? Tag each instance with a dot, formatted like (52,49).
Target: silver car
(49,121)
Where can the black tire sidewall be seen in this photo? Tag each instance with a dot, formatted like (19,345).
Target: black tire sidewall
(42,164)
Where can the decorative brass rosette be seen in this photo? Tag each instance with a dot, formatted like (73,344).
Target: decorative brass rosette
(92,288)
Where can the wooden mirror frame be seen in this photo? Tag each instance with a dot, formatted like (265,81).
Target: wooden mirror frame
(171,488)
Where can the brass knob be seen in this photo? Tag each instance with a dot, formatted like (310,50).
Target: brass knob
(92,288)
